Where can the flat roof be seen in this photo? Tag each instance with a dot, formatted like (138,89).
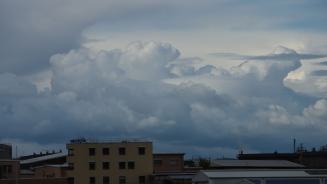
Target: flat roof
(168,154)
(43,158)
(255,163)
(109,141)
(275,173)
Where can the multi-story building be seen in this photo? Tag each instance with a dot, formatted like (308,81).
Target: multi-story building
(109,162)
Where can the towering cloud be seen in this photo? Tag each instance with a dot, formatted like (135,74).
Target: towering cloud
(147,90)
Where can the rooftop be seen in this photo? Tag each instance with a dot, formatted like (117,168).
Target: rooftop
(275,173)
(96,141)
(43,158)
(255,163)
(168,154)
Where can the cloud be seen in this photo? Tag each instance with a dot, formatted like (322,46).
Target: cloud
(147,90)
(319,73)
(280,53)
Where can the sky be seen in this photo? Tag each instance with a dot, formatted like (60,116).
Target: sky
(208,78)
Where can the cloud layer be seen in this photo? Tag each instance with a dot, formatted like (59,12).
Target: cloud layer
(147,90)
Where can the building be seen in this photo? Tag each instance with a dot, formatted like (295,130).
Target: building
(120,162)
(168,162)
(51,171)
(261,176)
(9,169)
(253,164)
(46,159)
(310,159)
(5,152)
(169,168)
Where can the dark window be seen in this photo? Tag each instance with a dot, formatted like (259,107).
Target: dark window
(92,166)
(122,165)
(71,166)
(105,180)
(122,179)
(105,151)
(91,151)
(71,180)
(141,179)
(70,152)
(131,165)
(105,165)
(141,150)
(122,151)
(92,180)
(157,162)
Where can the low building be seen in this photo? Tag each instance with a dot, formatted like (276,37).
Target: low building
(9,169)
(119,162)
(169,168)
(263,176)
(51,171)
(168,162)
(48,159)
(312,159)
(253,164)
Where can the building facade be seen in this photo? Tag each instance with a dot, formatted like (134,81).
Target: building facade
(5,152)
(9,169)
(109,162)
(168,162)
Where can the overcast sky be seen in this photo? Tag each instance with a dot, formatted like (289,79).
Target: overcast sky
(206,77)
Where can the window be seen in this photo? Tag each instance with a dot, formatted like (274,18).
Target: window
(105,151)
(141,179)
(122,179)
(122,165)
(141,150)
(71,180)
(70,152)
(157,162)
(173,162)
(91,151)
(105,180)
(131,165)
(92,180)
(71,166)
(92,166)
(122,151)
(105,165)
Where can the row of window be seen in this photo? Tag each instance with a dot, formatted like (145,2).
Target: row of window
(106,165)
(106,180)
(106,151)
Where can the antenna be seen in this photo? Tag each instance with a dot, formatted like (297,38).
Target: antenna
(294,145)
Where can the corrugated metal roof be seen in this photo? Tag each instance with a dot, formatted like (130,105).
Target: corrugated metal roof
(43,158)
(258,174)
(254,163)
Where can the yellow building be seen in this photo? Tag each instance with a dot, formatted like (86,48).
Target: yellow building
(110,162)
